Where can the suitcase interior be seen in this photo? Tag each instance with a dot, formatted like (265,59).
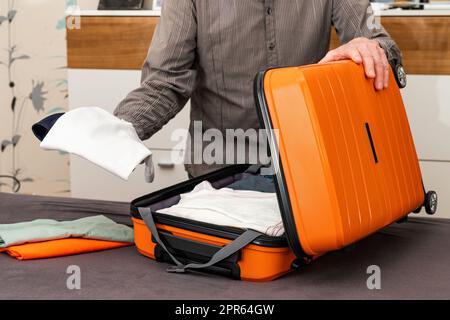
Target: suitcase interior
(193,241)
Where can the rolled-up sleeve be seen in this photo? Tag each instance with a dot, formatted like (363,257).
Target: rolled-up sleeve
(169,72)
(355,18)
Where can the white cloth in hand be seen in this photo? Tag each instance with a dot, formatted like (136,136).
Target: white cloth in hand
(101,138)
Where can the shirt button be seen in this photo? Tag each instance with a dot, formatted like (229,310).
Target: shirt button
(272,46)
(269,11)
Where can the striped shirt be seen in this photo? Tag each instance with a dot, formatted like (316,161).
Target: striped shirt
(210,50)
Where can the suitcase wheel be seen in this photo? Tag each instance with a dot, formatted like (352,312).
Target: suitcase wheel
(400,76)
(431,201)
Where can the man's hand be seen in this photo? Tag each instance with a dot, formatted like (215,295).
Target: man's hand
(369,53)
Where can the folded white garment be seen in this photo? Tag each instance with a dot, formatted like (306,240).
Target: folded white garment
(101,138)
(227,207)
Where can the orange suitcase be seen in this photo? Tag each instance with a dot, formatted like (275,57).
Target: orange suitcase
(345,163)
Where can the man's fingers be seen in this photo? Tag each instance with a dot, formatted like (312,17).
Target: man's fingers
(370,54)
(368,61)
(386,66)
(330,56)
(342,54)
(354,54)
(379,69)
(381,66)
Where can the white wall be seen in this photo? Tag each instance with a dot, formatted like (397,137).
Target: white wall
(37,32)
(88,4)
(427,102)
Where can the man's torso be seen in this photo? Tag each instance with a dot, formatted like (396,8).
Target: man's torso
(236,39)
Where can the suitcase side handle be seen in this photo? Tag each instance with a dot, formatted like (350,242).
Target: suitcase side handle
(222,254)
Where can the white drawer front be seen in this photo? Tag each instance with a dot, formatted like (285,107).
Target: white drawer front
(427,101)
(89,181)
(436,176)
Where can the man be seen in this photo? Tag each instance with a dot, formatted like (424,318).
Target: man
(209,51)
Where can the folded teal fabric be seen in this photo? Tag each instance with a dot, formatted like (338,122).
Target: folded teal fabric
(96,227)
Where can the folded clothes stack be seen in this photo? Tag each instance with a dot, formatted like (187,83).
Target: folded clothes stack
(46,238)
(235,206)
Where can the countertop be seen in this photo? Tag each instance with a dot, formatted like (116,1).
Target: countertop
(430,10)
(113,13)
(414,13)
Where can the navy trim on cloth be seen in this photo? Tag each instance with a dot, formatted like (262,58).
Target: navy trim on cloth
(41,128)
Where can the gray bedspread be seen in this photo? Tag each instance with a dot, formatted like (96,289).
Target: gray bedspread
(414,260)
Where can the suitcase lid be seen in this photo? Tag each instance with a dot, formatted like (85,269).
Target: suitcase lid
(264,106)
(303,109)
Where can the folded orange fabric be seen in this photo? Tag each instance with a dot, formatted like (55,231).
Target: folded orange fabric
(61,247)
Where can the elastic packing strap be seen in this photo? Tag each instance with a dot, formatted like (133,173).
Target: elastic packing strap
(239,243)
